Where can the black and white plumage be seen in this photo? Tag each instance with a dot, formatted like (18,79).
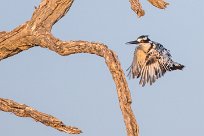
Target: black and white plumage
(151,61)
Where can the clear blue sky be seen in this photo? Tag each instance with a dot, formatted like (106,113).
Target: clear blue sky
(79,89)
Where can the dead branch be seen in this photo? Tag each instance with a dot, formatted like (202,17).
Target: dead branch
(37,32)
(159,3)
(23,110)
(137,8)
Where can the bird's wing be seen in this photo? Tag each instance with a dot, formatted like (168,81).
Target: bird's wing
(156,64)
(166,60)
(137,64)
(160,48)
(152,70)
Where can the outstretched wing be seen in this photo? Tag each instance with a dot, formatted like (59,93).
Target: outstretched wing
(153,69)
(137,63)
(158,61)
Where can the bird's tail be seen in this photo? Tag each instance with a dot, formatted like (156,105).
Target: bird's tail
(177,66)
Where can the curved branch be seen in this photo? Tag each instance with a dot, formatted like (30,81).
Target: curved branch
(23,110)
(37,32)
(112,62)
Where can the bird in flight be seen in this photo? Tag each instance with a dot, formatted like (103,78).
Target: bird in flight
(151,61)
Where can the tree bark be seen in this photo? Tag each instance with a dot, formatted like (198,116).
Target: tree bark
(137,8)
(37,32)
(23,110)
(159,3)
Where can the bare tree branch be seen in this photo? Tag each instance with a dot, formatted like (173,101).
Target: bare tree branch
(23,110)
(137,8)
(73,47)
(36,32)
(159,3)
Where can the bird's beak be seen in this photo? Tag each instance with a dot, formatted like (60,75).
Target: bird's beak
(133,42)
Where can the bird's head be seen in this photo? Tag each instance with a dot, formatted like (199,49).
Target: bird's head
(140,39)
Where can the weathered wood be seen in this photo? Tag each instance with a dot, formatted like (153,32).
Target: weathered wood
(159,3)
(37,32)
(23,110)
(137,8)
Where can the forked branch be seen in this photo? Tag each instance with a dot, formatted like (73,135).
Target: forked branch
(37,32)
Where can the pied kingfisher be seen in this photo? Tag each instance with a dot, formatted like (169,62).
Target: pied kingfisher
(151,61)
